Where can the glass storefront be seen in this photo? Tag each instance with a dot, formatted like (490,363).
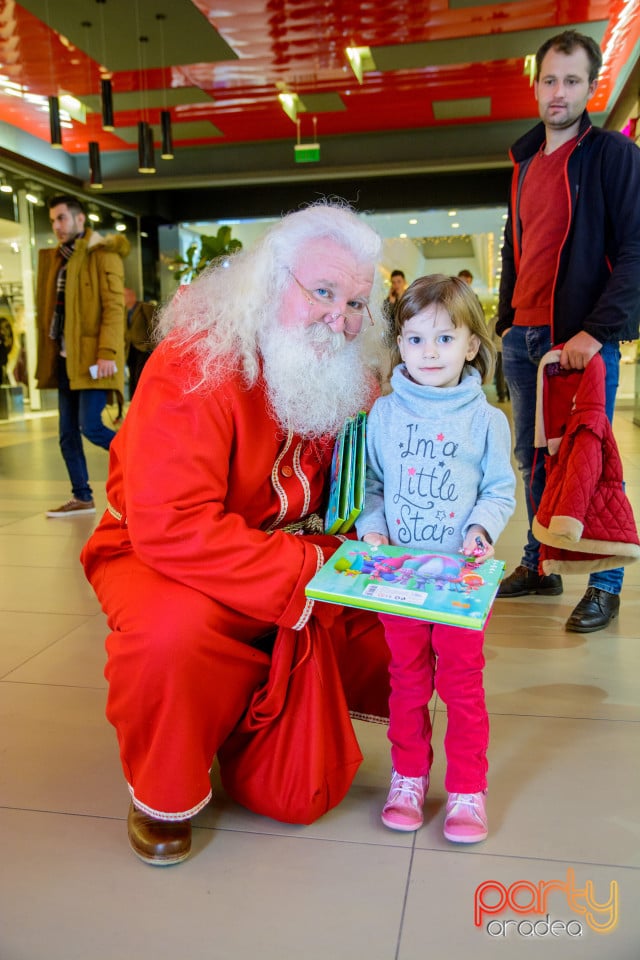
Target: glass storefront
(24,230)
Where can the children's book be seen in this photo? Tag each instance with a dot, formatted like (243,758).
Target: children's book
(348,467)
(441,587)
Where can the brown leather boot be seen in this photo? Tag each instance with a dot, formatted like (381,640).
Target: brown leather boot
(158,842)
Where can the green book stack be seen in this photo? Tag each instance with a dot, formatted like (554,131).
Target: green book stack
(348,468)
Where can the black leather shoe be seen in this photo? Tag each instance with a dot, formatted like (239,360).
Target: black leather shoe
(159,842)
(523,581)
(596,609)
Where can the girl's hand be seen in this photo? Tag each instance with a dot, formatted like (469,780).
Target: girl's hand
(376,539)
(476,544)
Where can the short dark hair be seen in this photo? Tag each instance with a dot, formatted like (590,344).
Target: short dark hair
(398,273)
(74,205)
(465,273)
(567,42)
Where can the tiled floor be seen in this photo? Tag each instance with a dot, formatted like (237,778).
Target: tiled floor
(563,802)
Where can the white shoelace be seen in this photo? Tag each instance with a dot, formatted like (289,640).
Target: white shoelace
(409,787)
(470,801)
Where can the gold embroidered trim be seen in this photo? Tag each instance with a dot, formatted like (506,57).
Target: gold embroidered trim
(302,477)
(115,513)
(277,486)
(311,524)
(308,607)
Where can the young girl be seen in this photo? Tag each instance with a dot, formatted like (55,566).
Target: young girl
(438,478)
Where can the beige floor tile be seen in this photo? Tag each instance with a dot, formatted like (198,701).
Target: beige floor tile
(57,589)
(442,898)
(546,671)
(58,751)
(73,530)
(27,633)
(53,548)
(75,660)
(558,788)
(75,891)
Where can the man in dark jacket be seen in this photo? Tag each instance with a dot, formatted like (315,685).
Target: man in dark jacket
(570,275)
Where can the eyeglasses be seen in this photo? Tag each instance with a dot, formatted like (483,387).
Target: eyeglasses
(353,314)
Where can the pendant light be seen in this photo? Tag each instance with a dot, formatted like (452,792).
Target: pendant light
(107,105)
(146,159)
(167,138)
(165,115)
(95,170)
(55,128)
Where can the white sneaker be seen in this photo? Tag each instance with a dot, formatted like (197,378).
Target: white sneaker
(403,809)
(466,818)
(73,508)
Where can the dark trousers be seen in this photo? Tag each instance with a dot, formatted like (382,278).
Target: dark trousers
(80,414)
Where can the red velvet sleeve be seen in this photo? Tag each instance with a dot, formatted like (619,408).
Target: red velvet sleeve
(201,477)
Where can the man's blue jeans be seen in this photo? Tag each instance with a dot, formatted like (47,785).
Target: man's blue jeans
(80,413)
(522,350)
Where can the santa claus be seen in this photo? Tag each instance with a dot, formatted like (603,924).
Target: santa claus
(216,493)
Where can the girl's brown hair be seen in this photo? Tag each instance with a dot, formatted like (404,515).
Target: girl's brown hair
(461,304)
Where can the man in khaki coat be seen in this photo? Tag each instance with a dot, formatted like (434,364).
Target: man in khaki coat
(80,316)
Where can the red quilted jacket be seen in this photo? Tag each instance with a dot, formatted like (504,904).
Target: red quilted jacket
(584,520)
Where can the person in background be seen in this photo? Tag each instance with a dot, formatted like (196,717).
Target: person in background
(570,277)
(390,303)
(439,478)
(139,333)
(467,276)
(217,489)
(502,390)
(80,321)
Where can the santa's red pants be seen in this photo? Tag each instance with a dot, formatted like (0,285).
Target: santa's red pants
(427,656)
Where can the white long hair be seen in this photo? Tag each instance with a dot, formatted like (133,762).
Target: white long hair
(221,314)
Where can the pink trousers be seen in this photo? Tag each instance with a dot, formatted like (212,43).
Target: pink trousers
(427,656)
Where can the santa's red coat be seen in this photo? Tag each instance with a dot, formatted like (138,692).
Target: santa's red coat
(193,569)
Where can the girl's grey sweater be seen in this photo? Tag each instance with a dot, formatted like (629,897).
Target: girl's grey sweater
(438,461)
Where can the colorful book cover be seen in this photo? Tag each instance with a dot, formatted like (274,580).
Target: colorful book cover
(355,472)
(441,587)
(333,519)
(346,476)
(348,466)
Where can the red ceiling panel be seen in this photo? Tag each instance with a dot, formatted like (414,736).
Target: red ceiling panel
(299,46)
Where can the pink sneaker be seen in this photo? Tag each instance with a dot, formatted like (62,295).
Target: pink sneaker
(403,809)
(466,818)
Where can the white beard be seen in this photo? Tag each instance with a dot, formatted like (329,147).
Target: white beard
(315,378)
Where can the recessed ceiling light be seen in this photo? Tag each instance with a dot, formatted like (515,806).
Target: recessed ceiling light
(413,220)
